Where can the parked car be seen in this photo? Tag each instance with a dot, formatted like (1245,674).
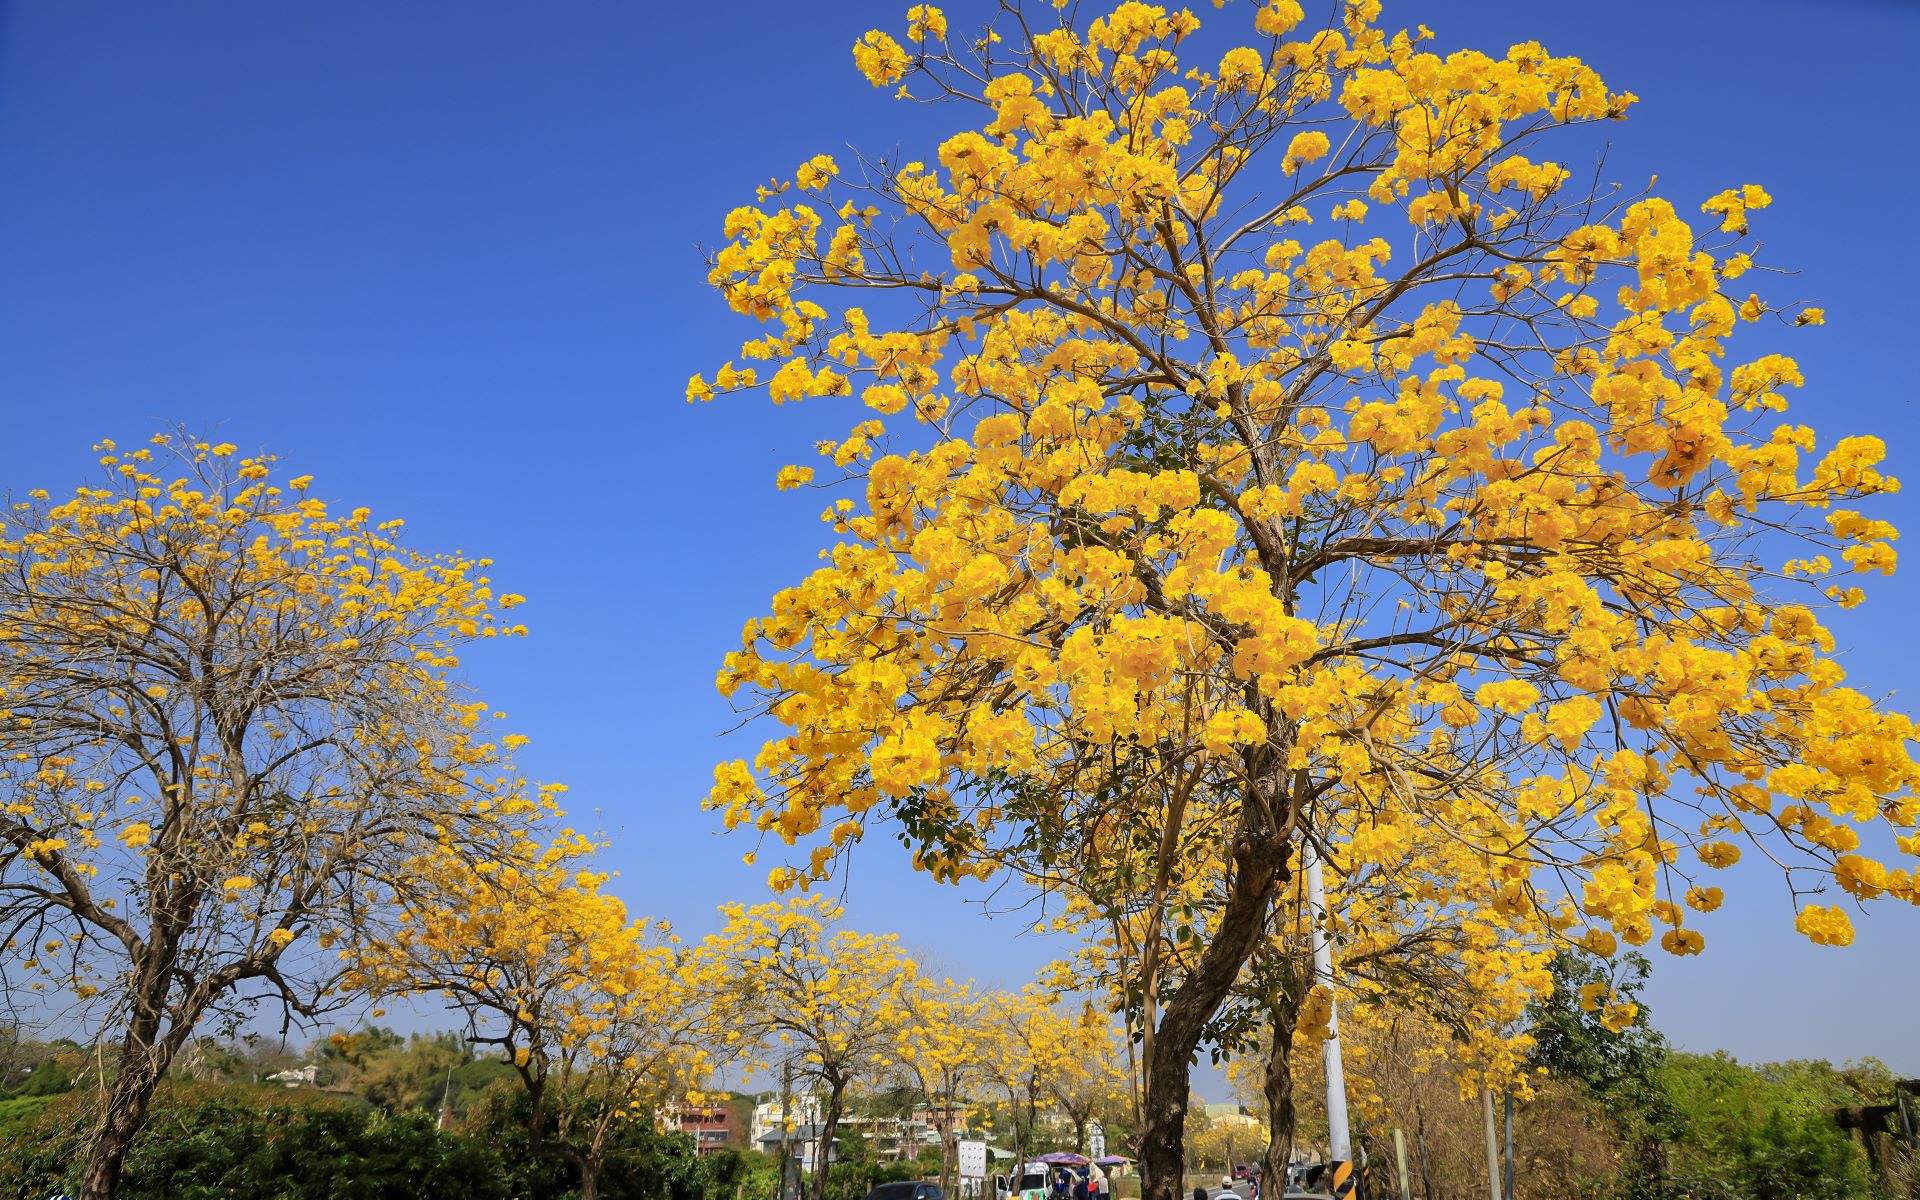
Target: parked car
(906,1190)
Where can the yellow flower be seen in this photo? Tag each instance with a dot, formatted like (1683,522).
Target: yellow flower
(1305,148)
(1824,926)
(816,173)
(880,58)
(925,21)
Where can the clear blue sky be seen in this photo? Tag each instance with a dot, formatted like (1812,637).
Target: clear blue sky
(444,257)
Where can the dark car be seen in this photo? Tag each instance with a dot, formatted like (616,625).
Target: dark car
(907,1190)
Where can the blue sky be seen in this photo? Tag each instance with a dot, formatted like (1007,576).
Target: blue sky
(445,257)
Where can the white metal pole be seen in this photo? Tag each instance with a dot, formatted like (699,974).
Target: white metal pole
(1400,1164)
(1339,1138)
(1493,1144)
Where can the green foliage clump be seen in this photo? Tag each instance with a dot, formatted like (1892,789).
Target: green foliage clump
(17,1111)
(211,1141)
(1798,1158)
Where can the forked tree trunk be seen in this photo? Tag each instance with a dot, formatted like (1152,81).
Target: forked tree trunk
(1260,865)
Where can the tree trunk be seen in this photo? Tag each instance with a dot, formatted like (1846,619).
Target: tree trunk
(120,1123)
(589,1183)
(144,1057)
(1278,1088)
(823,1151)
(1260,861)
(948,1149)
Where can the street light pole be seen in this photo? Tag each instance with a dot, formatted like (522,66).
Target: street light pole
(1339,1138)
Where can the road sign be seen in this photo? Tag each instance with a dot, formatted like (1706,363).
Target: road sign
(973,1160)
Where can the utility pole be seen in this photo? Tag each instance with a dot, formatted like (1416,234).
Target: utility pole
(1507,1193)
(1400,1164)
(1493,1144)
(1339,1138)
(446,1094)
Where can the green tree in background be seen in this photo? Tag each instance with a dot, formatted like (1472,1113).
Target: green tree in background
(1704,1126)
(1619,1067)
(1803,1157)
(642,1162)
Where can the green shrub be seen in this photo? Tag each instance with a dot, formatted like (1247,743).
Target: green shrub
(16,1111)
(204,1142)
(1803,1157)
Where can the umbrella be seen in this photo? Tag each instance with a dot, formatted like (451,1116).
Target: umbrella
(1062,1158)
(1112,1160)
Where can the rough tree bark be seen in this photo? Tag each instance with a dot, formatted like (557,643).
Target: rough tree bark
(830,1123)
(1260,850)
(126,1110)
(1277,1083)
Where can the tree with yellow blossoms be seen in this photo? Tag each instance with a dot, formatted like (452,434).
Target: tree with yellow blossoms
(1031,1042)
(1288,432)
(228,719)
(606,1019)
(940,1047)
(826,1002)
(1215,1145)
(1091,1083)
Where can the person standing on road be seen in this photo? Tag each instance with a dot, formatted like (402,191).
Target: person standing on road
(1098,1184)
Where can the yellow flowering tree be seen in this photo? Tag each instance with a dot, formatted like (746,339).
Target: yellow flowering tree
(827,1002)
(1217,1144)
(1092,1084)
(606,1019)
(228,717)
(940,1047)
(1031,1045)
(1289,434)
